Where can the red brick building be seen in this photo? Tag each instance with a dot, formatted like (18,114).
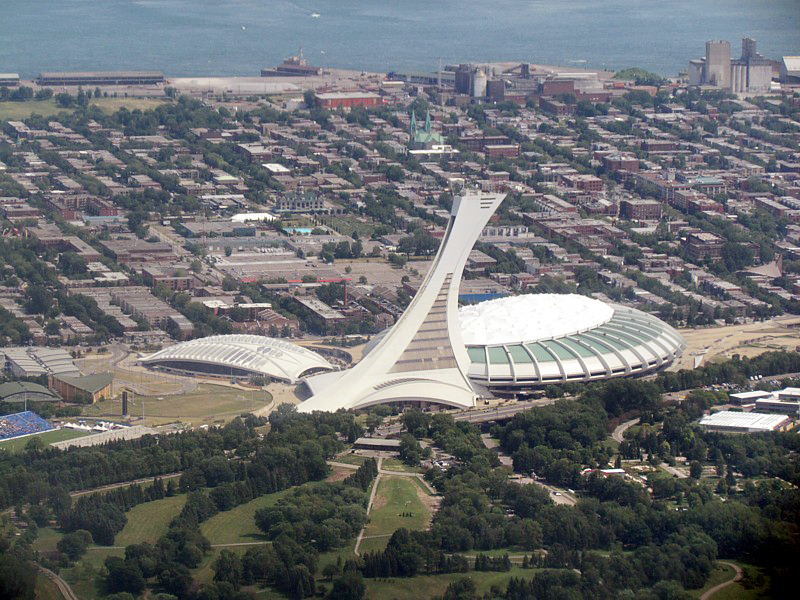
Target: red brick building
(334,100)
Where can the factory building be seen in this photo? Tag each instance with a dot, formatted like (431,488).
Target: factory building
(752,73)
(101,78)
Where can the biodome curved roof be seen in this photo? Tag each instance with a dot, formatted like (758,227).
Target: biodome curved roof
(537,339)
(238,355)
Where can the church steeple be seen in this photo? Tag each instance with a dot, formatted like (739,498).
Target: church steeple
(413,126)
(427,121)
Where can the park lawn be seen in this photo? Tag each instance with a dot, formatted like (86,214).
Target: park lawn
(719,574)
(737,591)
(396,496)
(347,225)
(111,105)
(149,521)
(22,110)
(237,526)
(374,544)
(207,404)
(401,588)
(46,589)
(46,539)
(350,459)
(47,108)
(82,577)
(345,553)
(394,464)
(48,437)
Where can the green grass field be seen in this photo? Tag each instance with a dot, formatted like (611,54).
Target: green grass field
(238,525)
(48,437)
(346,226)
(394,464)
(147,522)
(396,496)
(206,405)
(435,585)
(46,589)
(82,578)
(47,108)
(350,459)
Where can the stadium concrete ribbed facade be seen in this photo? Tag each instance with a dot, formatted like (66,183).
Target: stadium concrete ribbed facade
(534,340)
(240,356)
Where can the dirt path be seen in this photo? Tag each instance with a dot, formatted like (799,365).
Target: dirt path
(716,588)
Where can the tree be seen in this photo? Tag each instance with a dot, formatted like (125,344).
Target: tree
(17,578)
(228,567)
(74,544)
(124,576)
(39,300)
(349,586)
(695,469)
(228,250)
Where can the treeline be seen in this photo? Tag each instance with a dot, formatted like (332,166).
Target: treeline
(364,475)
(293,452)
(618,536)
(103,514)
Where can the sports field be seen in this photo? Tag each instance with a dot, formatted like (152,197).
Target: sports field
(207,404)
(48,437)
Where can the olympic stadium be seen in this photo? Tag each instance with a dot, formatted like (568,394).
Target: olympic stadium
(240,356)
(538,339)
(533,340)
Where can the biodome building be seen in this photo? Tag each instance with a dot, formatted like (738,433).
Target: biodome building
(240,356)
(534,340)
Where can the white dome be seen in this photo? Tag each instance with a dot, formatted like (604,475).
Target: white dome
(530,318)
(238,355)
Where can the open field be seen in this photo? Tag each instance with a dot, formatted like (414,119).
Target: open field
(47,108)
(398,503)
(46,589)
(82,578)
(394,464)
(347,225)
(350,459)
(207,404)
(435,585)
(48,437)
(750,339)
(238,526)
(147,522)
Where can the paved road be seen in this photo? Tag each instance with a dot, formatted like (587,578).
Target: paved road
(619,432)
(739,574)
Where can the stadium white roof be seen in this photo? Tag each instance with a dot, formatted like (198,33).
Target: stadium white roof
(530,318)
(240,355)
(728,419)
(536,339)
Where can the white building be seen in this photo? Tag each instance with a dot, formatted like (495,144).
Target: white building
(727,421)
(422,360)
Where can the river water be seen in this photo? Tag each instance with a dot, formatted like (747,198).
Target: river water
(238,37)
